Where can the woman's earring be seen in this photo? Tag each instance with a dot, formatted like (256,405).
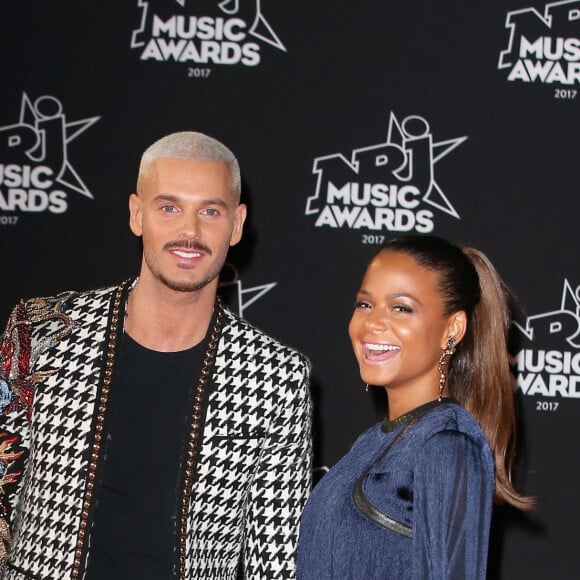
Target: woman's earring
(366,387)
(442,366)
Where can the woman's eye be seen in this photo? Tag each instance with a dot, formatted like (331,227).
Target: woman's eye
(361,304)
(402,308)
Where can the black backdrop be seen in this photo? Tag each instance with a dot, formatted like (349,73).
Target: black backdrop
(352,121)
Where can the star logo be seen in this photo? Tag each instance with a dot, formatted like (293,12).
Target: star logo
(389,185)
(42,137)
(562,324)
(238,298)
(249,11)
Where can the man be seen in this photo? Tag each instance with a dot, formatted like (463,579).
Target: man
(147,432)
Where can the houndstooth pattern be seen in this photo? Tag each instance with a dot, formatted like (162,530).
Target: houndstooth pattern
(253,471)
(253,476)
(48,514)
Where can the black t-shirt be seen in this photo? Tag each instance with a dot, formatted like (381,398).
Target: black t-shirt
(136,521)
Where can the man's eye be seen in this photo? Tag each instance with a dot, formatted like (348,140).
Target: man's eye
(168,208)
(211,212)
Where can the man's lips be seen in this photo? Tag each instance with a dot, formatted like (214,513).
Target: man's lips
(188,250)
(186,254)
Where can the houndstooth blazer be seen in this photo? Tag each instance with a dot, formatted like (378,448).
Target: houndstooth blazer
(247,468)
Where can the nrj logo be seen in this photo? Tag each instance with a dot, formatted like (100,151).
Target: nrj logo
(227,32)
(549,363)
(545,47)
(232,292)
(388,186)
(35,172)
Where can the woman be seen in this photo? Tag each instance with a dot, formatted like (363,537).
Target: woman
(413,497)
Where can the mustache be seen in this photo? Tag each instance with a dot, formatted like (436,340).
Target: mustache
(188,245)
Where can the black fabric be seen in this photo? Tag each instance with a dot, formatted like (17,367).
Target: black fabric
(135,528)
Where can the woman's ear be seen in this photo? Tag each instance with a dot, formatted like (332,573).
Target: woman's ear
(456,327)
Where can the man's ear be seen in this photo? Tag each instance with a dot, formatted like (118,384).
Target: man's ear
(135,214)
(239,218)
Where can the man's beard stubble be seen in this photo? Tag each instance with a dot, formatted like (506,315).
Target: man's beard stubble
(177,286)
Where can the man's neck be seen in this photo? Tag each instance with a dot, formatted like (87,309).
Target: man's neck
(165,320)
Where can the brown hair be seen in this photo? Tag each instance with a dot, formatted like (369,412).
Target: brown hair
(479,376)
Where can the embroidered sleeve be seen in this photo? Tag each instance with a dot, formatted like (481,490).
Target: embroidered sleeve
(15,399)
(281,485)
(19,376)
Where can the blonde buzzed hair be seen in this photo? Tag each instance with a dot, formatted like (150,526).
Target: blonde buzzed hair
(190,146)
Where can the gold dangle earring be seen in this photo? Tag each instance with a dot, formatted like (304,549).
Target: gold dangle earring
(442,366)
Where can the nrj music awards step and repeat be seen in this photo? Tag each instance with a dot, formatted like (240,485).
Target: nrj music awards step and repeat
(353,122)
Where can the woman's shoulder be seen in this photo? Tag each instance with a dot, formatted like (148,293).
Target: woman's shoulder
(446,432)
(373,433)
(449,419)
